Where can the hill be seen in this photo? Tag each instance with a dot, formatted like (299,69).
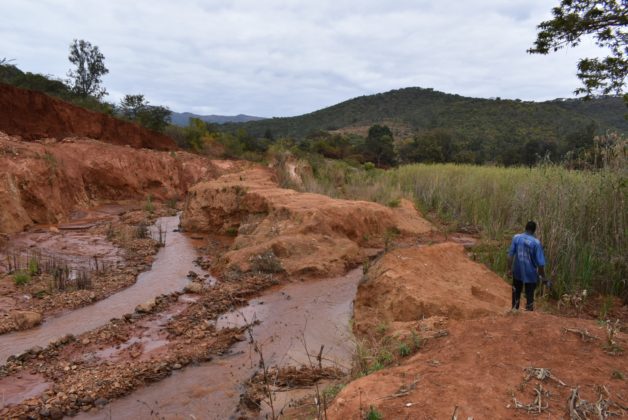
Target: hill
(411,109)
(182,118)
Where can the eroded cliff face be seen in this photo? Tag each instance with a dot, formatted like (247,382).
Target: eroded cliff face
(35,115)
(309,234)
(42,182)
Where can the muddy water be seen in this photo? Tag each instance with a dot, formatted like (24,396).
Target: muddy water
(167,274)
(317,312)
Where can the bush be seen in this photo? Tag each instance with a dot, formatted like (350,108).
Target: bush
(21,278)
(266,263)
(373,414)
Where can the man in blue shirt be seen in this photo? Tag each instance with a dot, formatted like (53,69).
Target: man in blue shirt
(527,265)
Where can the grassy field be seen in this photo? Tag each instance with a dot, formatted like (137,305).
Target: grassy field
(582,215)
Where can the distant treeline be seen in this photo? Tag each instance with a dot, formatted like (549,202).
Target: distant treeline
(410,125)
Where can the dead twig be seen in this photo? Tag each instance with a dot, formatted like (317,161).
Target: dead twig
(584,334)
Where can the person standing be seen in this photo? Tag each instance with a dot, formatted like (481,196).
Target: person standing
(527,265)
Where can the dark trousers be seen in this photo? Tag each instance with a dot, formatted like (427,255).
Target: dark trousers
(517,287)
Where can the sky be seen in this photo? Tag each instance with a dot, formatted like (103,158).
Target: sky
(289,57)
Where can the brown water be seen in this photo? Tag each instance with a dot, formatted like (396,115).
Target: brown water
(18,388)
(167,274)
(316,312)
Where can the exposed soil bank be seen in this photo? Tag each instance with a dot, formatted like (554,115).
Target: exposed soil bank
(479,359)
(43,182)
(35,115)
(315,311)
(299,233)
(167,274)
(480,368)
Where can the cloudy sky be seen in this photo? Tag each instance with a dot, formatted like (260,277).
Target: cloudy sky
(288,57)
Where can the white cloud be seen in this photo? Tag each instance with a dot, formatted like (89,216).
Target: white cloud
(283,57)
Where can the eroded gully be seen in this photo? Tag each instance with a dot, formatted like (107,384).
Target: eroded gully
(297,316)
(167,274)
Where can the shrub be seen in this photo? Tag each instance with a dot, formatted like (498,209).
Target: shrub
(266,263)
(149,206)
(373,414)
(21,278)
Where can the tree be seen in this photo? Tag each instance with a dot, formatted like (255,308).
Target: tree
(132,105)
(86,79)
(154,117)
(606,21)
(136,108)
(378,145)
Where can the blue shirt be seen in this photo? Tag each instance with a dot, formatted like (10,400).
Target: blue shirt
(528,256)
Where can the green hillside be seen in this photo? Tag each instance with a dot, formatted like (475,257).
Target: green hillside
(412,109)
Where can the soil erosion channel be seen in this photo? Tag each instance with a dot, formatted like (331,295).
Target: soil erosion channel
(301,314)
(167,274)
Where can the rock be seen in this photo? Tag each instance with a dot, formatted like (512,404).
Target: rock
(146,307)
(85,341)
(101,402)
(177,366)
(25,320)
(56,413)
(192,275)
(194,287)
(44,412)
(36,350)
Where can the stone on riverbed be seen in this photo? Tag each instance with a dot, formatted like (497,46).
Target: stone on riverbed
(25,320)
(146,307)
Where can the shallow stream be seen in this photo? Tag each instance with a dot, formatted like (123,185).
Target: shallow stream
(167,274)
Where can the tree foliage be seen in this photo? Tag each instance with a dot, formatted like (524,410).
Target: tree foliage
(137,108)
(378,146)
(86,79)
(606,21)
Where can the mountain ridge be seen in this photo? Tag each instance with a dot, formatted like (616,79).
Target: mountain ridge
(423,109)
(182,118)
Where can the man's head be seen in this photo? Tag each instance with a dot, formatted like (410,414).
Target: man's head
(531,227)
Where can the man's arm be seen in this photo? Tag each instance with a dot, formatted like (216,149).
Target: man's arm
(511,253)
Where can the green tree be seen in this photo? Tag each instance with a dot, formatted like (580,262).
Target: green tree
(86,78)
(136,108)
(154,117)
(606,21)
(132,105)
(378,146)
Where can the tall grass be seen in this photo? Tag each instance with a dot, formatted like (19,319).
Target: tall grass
(582,215)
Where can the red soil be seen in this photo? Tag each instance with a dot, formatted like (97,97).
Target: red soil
(479,366)
(35,115)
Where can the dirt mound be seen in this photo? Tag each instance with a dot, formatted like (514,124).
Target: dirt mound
(407,285)
(44,182)
(35,115)
(480,367)
(301,233)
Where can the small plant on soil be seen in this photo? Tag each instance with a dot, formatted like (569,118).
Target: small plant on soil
(394,203)
(149,206)
(266,263)
(172,203)
(141,230)
(33,266)
(232,231)
(331,391)
(21,278)
(617,374)
(373,414)
(611,346)
(403,350)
